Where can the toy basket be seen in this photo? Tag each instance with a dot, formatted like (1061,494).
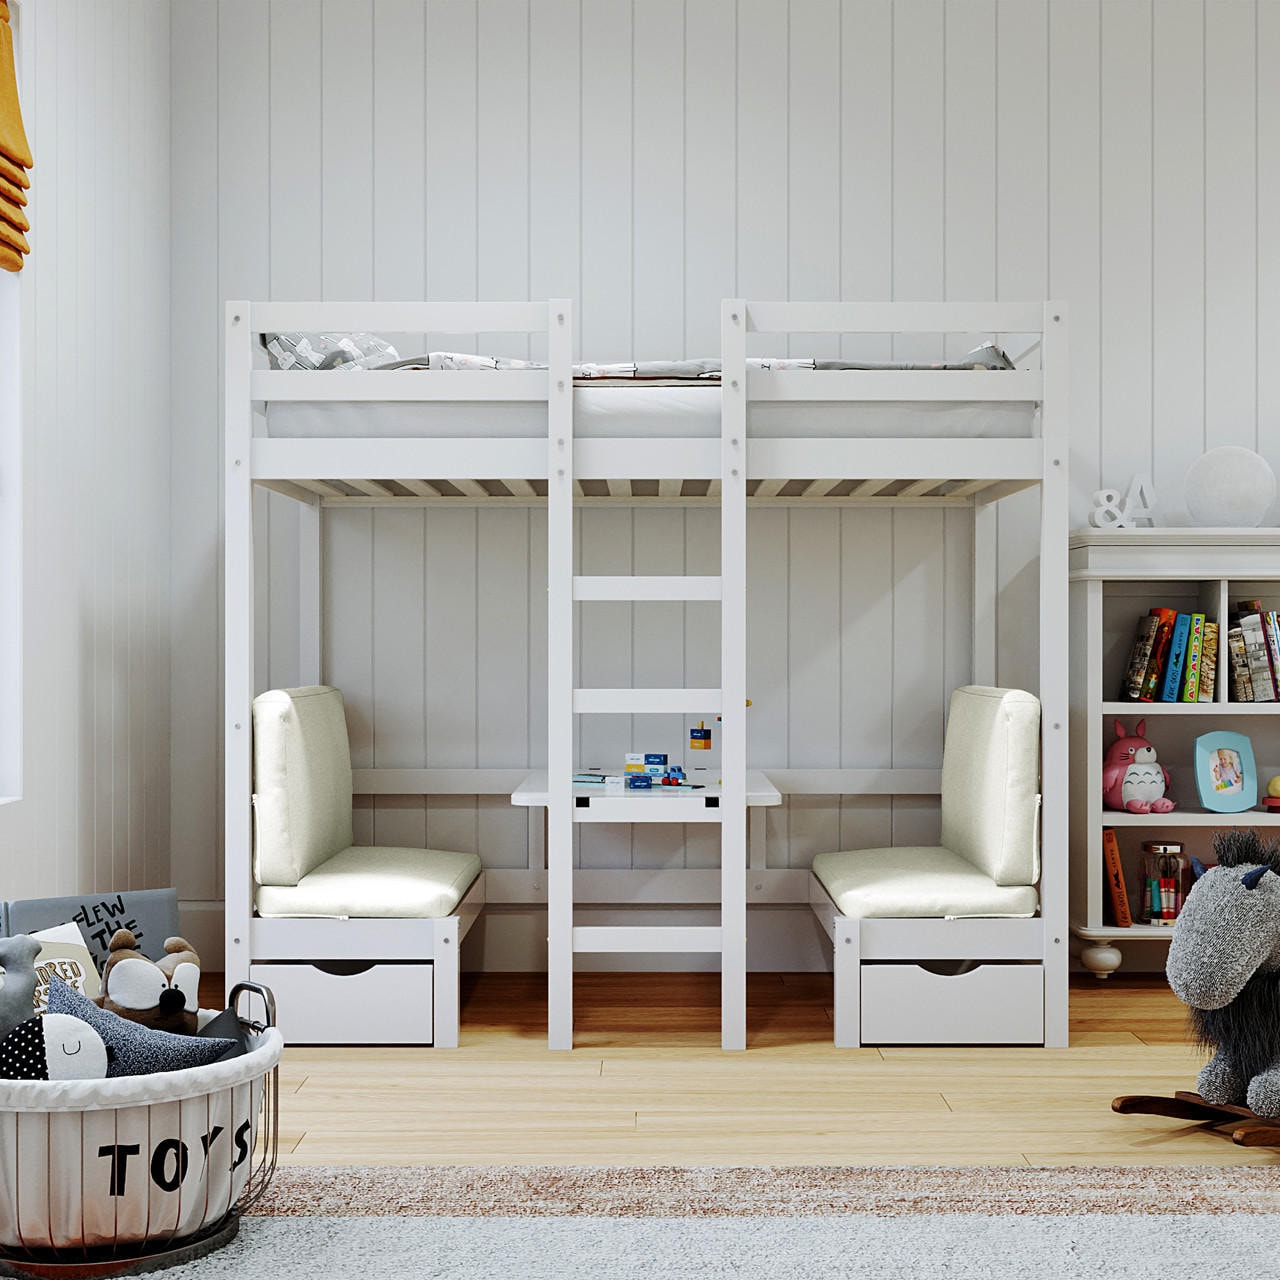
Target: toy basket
(108,1177)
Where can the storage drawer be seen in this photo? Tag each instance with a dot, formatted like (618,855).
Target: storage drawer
(326,1003)
(991,1004)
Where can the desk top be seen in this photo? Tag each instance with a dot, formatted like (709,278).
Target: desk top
(533,792)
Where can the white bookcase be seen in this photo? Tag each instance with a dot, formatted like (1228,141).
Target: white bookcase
(1116,577)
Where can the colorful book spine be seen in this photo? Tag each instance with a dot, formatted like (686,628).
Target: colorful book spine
(1159,653)
(1171,680)
(1208,663)
(1116,890)
(1195,653)
(1271,631)
(1139,656)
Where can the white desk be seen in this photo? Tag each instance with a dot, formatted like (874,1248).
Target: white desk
(592,803)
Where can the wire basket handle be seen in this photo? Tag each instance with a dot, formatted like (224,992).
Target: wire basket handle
(264,994)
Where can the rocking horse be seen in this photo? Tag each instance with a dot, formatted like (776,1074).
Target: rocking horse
(1224,964)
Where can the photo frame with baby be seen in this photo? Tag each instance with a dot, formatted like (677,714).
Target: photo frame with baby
(1226,777)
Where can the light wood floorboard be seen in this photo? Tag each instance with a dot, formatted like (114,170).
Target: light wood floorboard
(647,1084)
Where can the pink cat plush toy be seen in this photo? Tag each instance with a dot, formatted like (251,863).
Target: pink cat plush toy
(1131,777)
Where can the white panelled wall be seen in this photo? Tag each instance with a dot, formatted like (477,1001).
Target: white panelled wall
(94,806)
(645,158)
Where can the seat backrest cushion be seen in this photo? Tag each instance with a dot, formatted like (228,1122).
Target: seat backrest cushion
(991,782)
(301,782)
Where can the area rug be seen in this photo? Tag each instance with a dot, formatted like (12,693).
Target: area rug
(536,1222)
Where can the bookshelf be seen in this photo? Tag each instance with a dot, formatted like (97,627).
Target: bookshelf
(1117,577)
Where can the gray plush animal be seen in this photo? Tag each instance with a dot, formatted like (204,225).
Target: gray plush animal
(17,981)
(1224,962)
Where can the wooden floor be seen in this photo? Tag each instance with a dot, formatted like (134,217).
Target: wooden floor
(647,1084)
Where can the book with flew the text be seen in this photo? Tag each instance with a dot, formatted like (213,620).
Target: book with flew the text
(1118,895)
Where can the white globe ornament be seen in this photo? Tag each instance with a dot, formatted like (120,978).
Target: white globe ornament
(1231,487)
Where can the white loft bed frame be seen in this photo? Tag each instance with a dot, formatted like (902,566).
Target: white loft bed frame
(740,468)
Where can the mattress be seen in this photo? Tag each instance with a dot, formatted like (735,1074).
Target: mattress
(679,398)
(650,411)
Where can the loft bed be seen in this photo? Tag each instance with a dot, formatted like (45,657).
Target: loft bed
(760,433)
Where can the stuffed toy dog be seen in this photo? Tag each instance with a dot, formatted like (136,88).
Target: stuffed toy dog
(17,981)
(160,994)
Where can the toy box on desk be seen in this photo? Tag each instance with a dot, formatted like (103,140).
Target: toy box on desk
(151,915)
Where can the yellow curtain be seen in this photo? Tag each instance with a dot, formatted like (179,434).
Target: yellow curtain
(15,156)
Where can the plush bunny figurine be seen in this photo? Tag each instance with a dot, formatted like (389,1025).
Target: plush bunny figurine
(1131,777)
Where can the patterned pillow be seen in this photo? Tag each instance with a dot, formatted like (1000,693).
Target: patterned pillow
(135,1050)
(307,351)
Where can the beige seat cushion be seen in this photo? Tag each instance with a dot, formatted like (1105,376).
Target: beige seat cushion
(374,881)
(912,881)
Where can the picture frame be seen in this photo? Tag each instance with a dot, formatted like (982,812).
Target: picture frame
(1226,777)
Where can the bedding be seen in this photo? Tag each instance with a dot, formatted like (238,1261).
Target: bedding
(616,400)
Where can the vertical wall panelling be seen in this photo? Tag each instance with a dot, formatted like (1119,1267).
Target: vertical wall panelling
(767,651)
(919,166)
(814,678)
(399,150)
(1268,215)
(606,322)
(658,195)
(761,201)
(866,162)
(502,157)
(451,658)
(196,462)
(919,698)
(710,152)
(1178,248)
(555,209)
(1231,223)
(504,675)
(94,426)
(346,115)
(972,129)
(867,665)
(399,701)
(1022,272)
(813,180)
(1074,228)
(646,160)
(1125,198)
(450,217)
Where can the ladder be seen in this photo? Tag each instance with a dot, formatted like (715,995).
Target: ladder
(725,806)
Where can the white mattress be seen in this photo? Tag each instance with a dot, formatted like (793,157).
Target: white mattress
(629,411)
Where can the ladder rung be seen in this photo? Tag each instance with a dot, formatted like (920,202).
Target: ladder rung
(646,588)
(648,701)
(647,937)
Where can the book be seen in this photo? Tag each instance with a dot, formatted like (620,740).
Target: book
(64,953)
(1271,630)
(1208,663)
(1118,894)
(1238,666)
(1139,656)
(1259,664)
(1171,679)
(1195,650)
(1159,653)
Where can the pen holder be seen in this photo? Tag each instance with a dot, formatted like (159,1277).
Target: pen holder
(1163,873)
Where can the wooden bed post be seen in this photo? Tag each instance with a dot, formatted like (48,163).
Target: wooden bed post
(237,641)
(560,678)
(1054,672)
